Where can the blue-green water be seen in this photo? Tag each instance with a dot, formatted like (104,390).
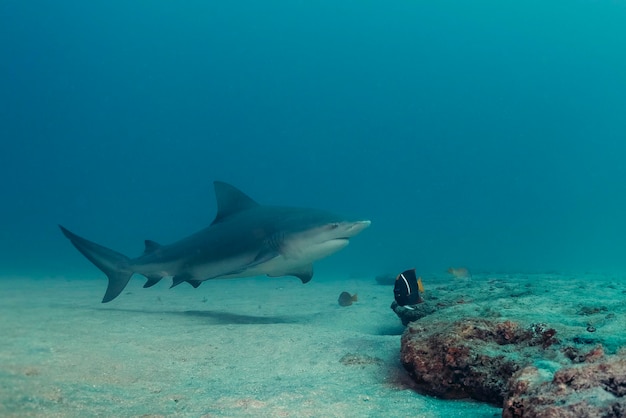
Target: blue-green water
(488,134)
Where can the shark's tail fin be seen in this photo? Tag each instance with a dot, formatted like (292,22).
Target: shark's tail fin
(115,265)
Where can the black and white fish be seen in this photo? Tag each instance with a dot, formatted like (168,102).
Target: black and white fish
(407,288)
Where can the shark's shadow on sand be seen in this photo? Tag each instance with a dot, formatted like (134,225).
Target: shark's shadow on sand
(230,318)
(218,317)
(233,318)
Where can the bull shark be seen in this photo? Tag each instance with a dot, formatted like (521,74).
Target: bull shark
(245,239)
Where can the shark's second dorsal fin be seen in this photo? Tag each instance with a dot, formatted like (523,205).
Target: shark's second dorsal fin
(151,246)
(230,200)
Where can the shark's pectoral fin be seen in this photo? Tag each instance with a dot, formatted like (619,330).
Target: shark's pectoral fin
(263,256)
(304,273)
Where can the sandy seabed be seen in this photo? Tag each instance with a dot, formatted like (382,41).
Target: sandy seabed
(235,348)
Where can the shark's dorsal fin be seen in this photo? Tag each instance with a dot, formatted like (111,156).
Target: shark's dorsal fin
(151,246)
(230,200)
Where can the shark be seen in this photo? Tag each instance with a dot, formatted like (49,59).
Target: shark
(245,239)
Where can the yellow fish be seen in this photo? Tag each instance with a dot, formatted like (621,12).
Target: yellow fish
(460,272)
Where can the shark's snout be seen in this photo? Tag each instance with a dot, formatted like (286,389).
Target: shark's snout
(357,227)
(353,228)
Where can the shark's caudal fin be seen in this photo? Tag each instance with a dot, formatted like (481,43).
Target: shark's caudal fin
(113,264)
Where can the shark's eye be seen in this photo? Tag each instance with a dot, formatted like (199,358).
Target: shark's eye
(333,226)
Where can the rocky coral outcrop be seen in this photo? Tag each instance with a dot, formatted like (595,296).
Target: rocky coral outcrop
(587,390)
(412,313)
(471,358)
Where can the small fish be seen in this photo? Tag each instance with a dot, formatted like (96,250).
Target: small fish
(346,299)
(407,288)
(460,273)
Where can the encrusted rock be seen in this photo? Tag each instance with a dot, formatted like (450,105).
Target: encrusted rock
(471,358)
(412,313)
(584,390)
